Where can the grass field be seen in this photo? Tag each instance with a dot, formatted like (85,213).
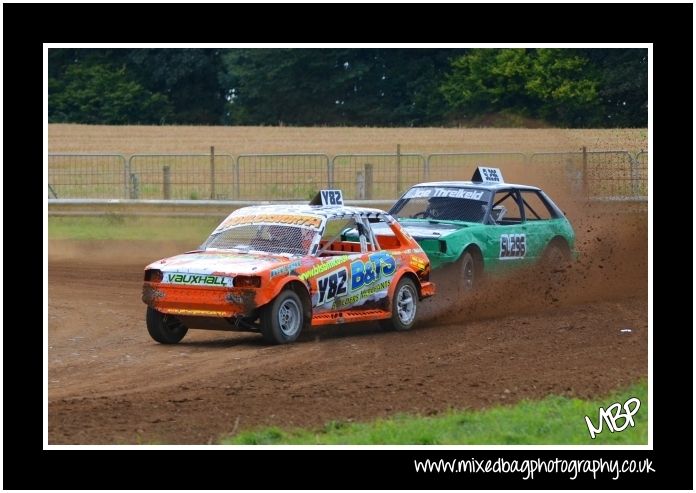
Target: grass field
(551,421)
(333,140)
(116,227)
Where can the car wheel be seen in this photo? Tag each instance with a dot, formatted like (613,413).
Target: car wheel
(554,261)
(404,306)
(165,329)
(282,319)
(556,255)
(467,273)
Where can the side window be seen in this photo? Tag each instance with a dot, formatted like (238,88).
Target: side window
(505,209)
(342,236)
(535,207)
(384,234)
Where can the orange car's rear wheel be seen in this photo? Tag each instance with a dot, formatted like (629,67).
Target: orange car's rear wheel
(404,306)
(165,329)
(282,319)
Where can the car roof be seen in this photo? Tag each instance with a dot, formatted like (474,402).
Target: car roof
(476,184)
(326,211)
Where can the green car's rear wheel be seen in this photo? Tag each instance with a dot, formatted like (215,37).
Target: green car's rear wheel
(556,254)
(554,263)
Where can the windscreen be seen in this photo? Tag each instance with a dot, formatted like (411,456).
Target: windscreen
(443,204)
(271,238)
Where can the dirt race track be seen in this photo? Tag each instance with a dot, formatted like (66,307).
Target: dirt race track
(110,383)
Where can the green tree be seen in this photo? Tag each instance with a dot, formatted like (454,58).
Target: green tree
(347,86)
(103,94)
(335,86)
(623,85)
(554,84)
(188,77)
(283,86)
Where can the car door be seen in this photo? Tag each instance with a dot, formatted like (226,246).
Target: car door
(331,277)
(507,236)
(371,273)
(537,223)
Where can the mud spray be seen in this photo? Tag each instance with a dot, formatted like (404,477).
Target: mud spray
(612,242)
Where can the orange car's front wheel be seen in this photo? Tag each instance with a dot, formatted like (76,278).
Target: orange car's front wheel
(283,318)
(165,329)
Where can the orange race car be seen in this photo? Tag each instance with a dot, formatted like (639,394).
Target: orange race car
(279,269)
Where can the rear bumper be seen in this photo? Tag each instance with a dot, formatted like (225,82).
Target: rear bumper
(427,289)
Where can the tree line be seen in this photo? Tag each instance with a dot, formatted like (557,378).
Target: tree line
(571,87)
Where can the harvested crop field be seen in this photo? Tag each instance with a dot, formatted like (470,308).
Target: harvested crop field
(68,138)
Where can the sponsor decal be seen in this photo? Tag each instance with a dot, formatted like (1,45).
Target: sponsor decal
(285,269)
(303,220)
(417,263)
(413,250)
(375,289)
(332,285)
(347,301)
(323,267)
(380,288)
(453,193)
(187,311)
(458,193)
(365,273)
(513,246)
(196,279)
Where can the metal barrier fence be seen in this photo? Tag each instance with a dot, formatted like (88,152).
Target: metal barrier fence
(281,176)
(297,177)
(461,166)
(596,174)
(181,176)
(639,177)
(87,176)
(372,176)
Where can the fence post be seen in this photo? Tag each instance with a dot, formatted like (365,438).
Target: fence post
(236,177)
(634,173)
(585,187)
(212,172)
(398,170)
(368,181)
(329,171)
(166,182)
(360,185)
(134,186)
(126,176)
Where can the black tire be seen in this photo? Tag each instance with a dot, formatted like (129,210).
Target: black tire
(404,306)
(165,329)
(283,318)
(556,254)
(468,273)
(554,264)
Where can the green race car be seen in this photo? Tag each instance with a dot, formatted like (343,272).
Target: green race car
(484,226)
